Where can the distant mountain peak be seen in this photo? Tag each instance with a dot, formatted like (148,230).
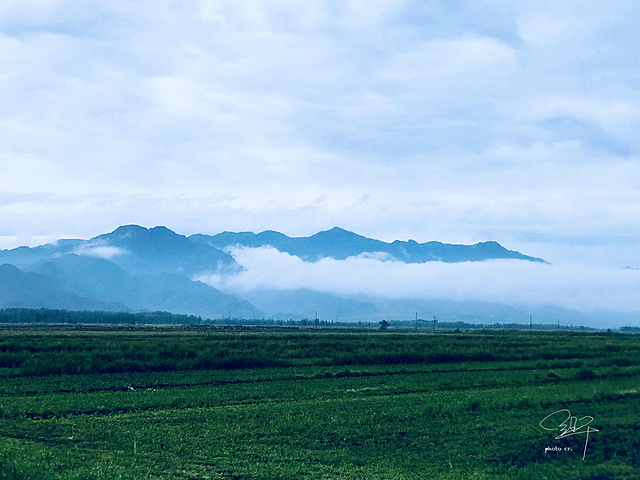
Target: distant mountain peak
(137,230)
(337,232)
(128,230)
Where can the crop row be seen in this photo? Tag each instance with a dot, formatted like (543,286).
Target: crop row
(37,355)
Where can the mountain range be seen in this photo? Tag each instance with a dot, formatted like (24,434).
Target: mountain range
(135,268)
(340,244)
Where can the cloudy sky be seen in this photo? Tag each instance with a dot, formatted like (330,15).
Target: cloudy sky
(458,121)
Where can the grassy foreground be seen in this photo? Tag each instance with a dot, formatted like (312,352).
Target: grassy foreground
(168,404)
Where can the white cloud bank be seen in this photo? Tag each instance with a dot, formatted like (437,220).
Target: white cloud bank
(504,281)
(444,58)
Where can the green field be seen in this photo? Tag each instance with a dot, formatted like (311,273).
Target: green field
(277,404)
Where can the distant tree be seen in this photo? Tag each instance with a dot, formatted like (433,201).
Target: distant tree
(384,324)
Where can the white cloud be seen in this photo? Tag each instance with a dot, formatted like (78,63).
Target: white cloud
(367,12)
(603,111)
(99,251)
(267,15)
(440,58)
(547,30)
(27,10)
(555,25)
(506,281)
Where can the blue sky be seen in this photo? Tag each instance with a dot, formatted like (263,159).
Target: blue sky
(458,121)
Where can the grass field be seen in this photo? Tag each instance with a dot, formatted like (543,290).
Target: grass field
(277,404)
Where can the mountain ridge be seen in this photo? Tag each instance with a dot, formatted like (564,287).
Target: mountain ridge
(176,251)
(339,244)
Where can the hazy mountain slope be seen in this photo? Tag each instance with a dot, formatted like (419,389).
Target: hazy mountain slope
(102,279)
(23,256)
(339,244)
(130,268)
(305,303)
(413,252)
(88,276)
(177,294)
(31,290)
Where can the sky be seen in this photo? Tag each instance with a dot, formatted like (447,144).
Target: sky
(456,121)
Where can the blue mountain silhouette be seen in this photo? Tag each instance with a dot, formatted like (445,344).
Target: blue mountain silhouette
(340,244)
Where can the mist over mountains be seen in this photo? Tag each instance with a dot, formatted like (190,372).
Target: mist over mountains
(336,274)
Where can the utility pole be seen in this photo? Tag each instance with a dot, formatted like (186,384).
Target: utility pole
(434,324)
